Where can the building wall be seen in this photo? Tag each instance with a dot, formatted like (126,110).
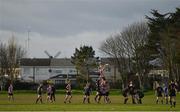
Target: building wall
(63,70)
(63,80)
(111,73)
(42,73)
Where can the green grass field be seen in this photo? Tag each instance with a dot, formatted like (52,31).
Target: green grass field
(26,102)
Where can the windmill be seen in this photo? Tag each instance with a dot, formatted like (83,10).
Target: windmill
(50,56)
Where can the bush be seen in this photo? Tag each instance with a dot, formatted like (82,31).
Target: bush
(116,85)
(19,85)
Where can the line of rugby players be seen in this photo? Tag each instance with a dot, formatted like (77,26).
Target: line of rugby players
(136,94)
(166,92)
(102,88)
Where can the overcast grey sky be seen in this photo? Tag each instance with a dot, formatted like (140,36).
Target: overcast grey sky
(63,25)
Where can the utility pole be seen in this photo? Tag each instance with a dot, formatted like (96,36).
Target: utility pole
(34,74)
(28,41)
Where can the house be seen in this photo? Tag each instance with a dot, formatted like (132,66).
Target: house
(38,70)
(59,70)
(34,69)
(111,72)
(158,74)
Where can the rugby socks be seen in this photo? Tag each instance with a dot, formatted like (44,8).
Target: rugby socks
(156,101)
(125,100)
(41,100)
(96,98)
(88,100)
(84,99)
(99,99)
(133,101)
(171,103)
(174,104)
(37,100)
(70,99)
(166,101)
(140,101)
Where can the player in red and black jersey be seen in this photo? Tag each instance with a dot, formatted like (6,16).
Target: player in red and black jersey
(87,92)
(131,88)
(159,94)
(98,90)
(172,93)
(53,98)
(10,92)
(39,92)
(68,93)
(125,94)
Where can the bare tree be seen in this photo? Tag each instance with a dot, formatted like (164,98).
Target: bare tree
(135,37)
(168,52)
(3,59)
(127,50)
(10,55)
(114,48)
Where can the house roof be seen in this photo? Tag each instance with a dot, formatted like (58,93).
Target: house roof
(61,62)
(110,61)
(35,62)
(56,61)
(46,62)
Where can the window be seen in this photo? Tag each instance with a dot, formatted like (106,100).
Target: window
(72,71)
(108,69)
(58,71)
(27,71)
(41,71)
(73,82)
(59,81)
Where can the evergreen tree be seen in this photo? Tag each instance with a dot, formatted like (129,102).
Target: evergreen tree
(83,60)
(164,39)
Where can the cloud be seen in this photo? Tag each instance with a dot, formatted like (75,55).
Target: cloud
(66,24)
(38,43)
(64,17)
